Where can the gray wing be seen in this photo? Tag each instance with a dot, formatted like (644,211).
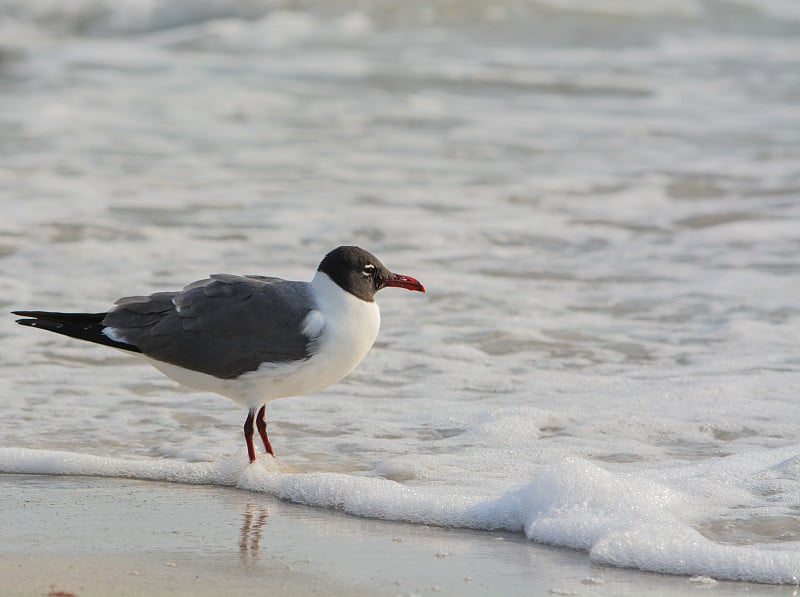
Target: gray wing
(223,326)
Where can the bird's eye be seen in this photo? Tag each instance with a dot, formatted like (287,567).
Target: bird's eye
(368,270)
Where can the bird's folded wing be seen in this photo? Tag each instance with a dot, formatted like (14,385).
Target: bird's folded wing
(224,326)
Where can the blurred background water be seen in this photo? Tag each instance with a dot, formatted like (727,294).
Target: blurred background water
(601,197)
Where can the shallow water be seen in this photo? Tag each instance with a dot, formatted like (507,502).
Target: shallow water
(601,198)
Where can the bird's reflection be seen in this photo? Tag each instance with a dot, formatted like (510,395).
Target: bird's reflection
(254,518)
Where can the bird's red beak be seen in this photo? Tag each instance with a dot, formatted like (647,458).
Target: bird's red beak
(406,282)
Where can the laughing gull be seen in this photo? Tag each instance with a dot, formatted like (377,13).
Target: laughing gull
(249,338)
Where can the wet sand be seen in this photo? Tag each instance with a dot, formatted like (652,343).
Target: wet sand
(87,536)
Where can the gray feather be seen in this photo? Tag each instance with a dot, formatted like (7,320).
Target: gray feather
(223,326)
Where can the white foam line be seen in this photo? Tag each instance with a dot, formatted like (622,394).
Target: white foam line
(621,521)
(50,462)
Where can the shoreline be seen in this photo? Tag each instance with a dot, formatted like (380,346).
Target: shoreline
(86,536)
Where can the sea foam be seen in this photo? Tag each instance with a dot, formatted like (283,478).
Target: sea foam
(619,520)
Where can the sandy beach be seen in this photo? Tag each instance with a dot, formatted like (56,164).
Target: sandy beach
(87,536)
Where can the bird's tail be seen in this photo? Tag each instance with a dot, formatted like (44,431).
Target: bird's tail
(84,326)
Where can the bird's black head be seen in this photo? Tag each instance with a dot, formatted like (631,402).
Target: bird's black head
(362,274)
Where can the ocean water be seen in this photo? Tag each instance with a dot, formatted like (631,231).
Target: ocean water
(602,198)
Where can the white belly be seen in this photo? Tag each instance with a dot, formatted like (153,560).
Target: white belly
(344,331)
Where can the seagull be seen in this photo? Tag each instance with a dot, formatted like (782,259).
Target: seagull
(252,339)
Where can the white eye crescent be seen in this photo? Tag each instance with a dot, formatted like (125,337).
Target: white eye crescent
(368,270)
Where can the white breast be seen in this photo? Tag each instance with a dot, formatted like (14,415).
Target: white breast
(342,329)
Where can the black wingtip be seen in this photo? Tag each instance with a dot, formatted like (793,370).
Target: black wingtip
(31,318)
(33,314)
(83,326)
(29,322)
(26,321)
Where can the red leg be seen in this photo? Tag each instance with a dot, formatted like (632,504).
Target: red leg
(262,430)
(248,434)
